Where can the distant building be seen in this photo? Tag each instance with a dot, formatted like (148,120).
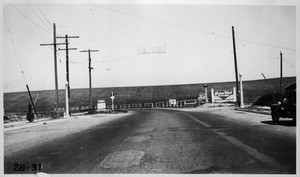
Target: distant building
(101,104)
(172,102)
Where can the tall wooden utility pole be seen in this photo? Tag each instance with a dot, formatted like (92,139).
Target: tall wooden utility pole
(280,72)
(236,70)
(90,77)
(67,73)
(55,64)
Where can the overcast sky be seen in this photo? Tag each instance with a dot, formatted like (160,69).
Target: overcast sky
(197,39)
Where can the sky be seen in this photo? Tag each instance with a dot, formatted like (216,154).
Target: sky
(197,40)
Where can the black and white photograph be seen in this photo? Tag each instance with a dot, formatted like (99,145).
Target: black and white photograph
(149,87)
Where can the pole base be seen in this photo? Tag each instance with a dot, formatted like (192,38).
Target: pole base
(67,116)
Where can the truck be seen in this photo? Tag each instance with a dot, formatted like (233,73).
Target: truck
(285,108)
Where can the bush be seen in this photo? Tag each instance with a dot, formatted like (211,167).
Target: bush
(269,99)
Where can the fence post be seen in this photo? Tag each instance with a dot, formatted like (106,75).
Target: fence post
(212,96)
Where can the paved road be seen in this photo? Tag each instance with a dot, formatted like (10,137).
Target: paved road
(159,141)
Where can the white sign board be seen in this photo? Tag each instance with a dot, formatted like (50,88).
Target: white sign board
(101,104)
(172,101)
(224,95)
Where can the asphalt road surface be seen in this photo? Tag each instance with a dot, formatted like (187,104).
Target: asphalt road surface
(151,141)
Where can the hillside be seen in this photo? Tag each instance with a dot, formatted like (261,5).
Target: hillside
(18,101)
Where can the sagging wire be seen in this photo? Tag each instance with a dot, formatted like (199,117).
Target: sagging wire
(15,50)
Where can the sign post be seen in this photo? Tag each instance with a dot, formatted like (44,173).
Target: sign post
(67,114)
(112,100)
(212,95)
(241,92)
(206,94)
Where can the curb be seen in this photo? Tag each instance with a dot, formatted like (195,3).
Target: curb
(32,125)
(257,112)
(41,122)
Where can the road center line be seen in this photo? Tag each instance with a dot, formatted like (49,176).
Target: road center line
(271,162)
(199,121)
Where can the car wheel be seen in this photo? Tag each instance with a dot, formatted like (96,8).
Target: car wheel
(294,118)
(275,116)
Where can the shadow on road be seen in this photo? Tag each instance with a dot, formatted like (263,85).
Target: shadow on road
(288,123)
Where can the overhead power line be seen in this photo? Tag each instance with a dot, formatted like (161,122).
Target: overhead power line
(117,59)
(38,17)
(188,28)
(27,37)
(290,65)
(42,14)
(15,51)
(162,22)
(29,19)
(77,62)
(269,45)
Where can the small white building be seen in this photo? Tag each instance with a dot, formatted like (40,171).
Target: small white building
(101,104)
(172,102)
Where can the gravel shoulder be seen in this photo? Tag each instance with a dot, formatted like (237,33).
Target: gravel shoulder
(49,130)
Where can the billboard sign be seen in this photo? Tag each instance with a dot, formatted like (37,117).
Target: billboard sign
(224,95)
(152,49)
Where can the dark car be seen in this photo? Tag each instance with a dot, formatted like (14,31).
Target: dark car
(287,107)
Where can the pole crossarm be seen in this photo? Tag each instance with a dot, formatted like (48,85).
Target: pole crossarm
(68,49)
(53,44)
(89,50)
(59,37)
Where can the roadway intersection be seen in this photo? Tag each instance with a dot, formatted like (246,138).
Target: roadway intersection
(156,141)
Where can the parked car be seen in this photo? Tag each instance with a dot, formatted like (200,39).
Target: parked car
(285,108)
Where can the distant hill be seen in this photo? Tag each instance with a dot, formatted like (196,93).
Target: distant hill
(18,101)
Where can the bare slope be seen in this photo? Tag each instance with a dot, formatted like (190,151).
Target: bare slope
(18,101)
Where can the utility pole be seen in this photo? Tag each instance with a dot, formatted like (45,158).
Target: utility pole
(241,93)
(55,64)
(236,69)
(280,72)
(67,73)
(31,100)
(90,77)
